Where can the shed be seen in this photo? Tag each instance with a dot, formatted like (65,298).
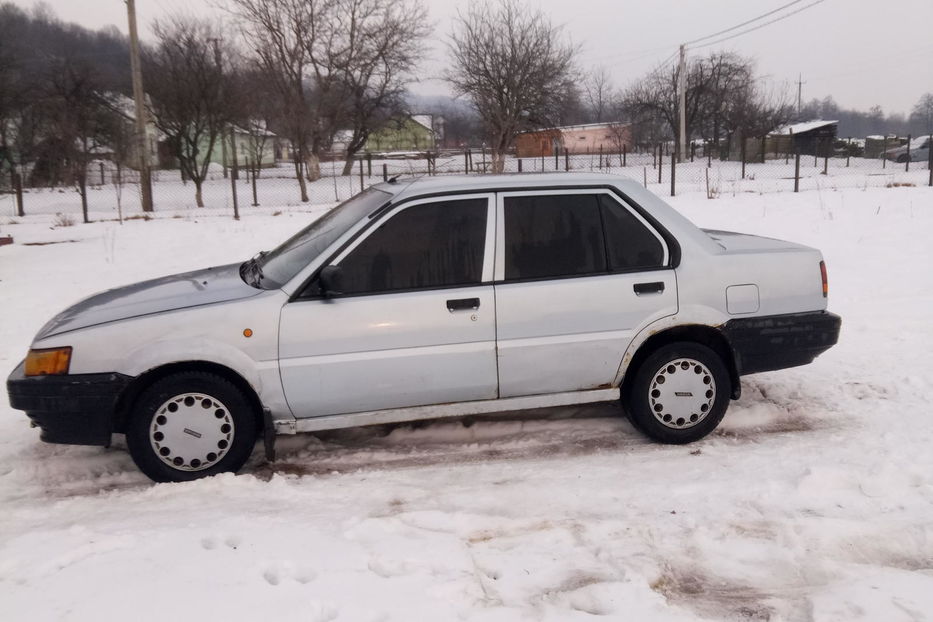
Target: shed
(808,138)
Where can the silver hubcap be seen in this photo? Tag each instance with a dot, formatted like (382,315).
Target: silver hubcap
(682,393)
(191,431)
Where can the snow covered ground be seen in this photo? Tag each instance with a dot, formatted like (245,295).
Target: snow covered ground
(814,501)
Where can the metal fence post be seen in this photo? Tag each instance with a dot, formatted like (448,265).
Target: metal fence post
(907,163)
(848,151)
(361,174)
(825,163)
(930,157)
(385,172)
(556,158)
(566,160)
(884,152)
(624,154)
(645,171)
(519,165)
(18,189)
(236,205)
(369,164)
(254,167)
(797,171)
(673,171)
(742,152)
(660,160)
(466,162)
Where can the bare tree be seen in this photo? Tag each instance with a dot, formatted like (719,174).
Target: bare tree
(373,46)
(284,35)
(598,93)
(722,98)
(78,122)
(515,67)
(655,97)
(188,95)
(922,113)
(251,112)
(752,112)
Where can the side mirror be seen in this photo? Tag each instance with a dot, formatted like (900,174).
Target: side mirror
(331,278)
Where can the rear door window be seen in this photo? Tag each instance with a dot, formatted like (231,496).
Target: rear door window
(553,236)
(630,245)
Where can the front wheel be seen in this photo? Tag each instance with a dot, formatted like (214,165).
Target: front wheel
(190,425)
(679,393)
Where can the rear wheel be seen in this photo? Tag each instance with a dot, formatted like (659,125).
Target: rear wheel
(679,393)
(190,425)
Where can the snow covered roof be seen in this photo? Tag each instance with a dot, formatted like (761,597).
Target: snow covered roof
(424,119)
(805,126)
(582,126)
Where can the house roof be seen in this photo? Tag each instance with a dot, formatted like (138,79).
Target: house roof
(582,126)
(425,120)
(805,126)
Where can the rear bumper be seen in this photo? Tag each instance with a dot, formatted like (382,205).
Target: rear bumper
(780,341)
(74,409)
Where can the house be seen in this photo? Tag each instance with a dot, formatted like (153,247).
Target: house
(411,133)
(808,138)
(419,132)
(125,148)
(255,143)
(575,139)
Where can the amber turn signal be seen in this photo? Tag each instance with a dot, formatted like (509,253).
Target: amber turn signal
(48,362)
(825,280)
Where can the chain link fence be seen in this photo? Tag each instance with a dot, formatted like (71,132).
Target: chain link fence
(113,193)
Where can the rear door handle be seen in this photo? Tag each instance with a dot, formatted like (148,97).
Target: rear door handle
(648,288)
(463,304)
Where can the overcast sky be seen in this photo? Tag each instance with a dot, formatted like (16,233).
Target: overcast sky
(862,52)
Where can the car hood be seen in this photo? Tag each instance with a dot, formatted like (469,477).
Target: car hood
(179,291)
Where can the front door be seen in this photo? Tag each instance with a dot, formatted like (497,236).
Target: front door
(578,273)
(415,323)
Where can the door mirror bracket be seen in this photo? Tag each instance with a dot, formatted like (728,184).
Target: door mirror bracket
(331,279)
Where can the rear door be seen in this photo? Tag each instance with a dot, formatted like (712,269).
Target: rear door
(577,273)
(415,323)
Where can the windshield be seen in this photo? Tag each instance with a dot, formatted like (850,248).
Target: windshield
(281,264)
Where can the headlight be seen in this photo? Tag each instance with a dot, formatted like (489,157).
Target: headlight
(48,362)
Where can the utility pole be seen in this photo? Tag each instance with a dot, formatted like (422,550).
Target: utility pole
(800,84)
(139,98)
(223,141)
(682,103)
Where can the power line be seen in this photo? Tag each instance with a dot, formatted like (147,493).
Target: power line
(759,26)
(746,23)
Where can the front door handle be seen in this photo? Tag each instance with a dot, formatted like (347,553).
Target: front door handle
(648,288)
(463,304)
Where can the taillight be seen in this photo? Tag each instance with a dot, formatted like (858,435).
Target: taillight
(823,276)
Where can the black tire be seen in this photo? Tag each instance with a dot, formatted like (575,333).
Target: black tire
(902,159)
(238,424)
(638,396)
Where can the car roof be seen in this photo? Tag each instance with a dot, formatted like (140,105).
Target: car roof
(404,188)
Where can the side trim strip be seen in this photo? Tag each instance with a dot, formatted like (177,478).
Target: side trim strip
(439,411)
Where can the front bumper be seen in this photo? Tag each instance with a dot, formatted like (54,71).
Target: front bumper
(74,409)
(780,341)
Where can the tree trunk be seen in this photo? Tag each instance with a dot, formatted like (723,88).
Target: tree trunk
(313,162)
(348,163)
(199,199)
(301,179)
